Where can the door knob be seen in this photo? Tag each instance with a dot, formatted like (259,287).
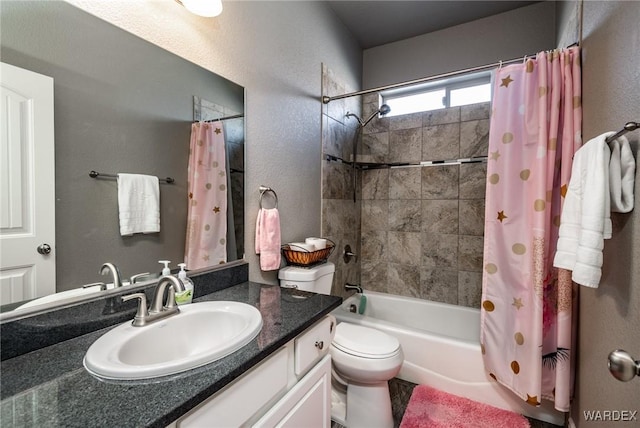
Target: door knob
(622,365)
(44,249)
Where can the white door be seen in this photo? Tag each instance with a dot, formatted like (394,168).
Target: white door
(27,185)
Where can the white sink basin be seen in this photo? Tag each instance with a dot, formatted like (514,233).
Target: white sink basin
(200,334)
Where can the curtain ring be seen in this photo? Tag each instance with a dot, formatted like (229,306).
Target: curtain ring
(265,189)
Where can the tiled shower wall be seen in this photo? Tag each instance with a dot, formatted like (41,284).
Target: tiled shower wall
(418,231)
(422,228)
(340,214)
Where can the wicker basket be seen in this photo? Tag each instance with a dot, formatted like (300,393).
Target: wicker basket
(300,257)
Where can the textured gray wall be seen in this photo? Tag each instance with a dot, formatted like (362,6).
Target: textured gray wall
(520,32)
(121,105)
(610,315)
(274,49)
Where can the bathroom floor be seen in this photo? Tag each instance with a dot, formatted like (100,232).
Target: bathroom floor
(400,392)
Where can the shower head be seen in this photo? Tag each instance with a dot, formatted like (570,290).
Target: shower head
(384,109)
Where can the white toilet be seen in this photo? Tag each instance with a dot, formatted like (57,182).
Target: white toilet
(363,358)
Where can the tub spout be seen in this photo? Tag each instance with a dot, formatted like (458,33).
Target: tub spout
(356,287)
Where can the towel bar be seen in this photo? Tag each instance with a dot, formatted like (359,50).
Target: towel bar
(94,174)
(628,127)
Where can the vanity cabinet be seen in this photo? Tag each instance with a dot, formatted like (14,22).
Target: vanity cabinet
(290,388)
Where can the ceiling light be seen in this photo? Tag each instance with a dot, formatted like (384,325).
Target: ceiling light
(206,8)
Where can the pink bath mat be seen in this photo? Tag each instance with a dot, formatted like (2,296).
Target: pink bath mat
(430,408)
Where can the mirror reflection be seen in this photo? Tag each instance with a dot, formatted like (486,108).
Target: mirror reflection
(120,105)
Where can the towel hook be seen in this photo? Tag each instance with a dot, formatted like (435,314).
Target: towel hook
(265,189)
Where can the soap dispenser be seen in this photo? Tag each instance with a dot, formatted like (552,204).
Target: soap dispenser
(186,296)
(165,271)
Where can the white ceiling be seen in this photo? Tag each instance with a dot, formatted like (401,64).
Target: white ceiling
(375,23)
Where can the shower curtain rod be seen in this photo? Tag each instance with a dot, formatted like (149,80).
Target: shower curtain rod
(235,116)
(327,99)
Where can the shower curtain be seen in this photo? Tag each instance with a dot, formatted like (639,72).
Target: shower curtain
(207,190)
(528,306)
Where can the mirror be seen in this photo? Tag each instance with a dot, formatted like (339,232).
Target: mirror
(121,104)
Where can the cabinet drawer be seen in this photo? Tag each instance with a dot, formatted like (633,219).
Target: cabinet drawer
(313,344)
(234,405)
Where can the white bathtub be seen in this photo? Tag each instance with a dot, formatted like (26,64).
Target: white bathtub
(441,348)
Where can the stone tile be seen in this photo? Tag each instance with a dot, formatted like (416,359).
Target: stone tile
(406,121)
(469,289)
(439,251)
(440,216)
(403,280)
(337,181)
(475,111)
(404,183)
(405,145)
(471,217)
(332,86)
(439,182)
(439,285)
(373,275)
(473,180)
(374,245)
(474,138)
(438,117)
(404,248)
(375,215)
(375,184)
(405,215)
(375,147)
(345,272)
(441,142)
(339,216)
(400,392)
(372,98)
(470,252)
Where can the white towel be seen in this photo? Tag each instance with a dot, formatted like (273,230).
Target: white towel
(138,204)
(622,171)
(585,221)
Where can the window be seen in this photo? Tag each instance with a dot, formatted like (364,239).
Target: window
(449,92)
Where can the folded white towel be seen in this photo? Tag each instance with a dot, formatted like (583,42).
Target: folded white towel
(622,171)
(585,221)
(138,204)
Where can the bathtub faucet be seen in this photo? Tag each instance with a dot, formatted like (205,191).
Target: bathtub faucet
(356,287)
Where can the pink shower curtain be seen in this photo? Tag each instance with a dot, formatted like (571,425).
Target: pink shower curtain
(206,242)
(528,306)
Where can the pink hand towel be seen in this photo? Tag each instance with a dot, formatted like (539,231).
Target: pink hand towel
(268,238)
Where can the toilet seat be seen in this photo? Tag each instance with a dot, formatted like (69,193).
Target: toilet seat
(365,342)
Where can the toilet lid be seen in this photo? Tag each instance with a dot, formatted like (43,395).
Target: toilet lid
(364,342)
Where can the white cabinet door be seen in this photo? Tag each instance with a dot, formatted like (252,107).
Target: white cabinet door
(306,405)
(235,405)
(27,185)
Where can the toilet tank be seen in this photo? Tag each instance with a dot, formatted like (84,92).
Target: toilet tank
(317,279)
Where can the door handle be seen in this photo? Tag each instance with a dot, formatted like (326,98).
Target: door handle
(622,365)
(44,249)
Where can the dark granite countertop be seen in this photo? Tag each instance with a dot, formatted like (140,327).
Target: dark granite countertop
(50,387)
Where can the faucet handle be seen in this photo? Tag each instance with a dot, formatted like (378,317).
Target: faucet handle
(102,285)
(142,313)
(135,277)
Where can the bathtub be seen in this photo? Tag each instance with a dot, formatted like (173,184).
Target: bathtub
(441,348)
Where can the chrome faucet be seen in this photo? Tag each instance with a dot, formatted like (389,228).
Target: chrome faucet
(115,273)
(159,309)
(356,287)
